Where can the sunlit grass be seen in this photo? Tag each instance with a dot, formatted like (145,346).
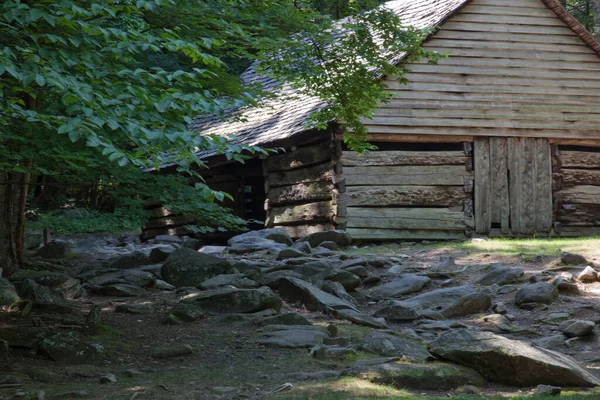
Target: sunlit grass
(353,388)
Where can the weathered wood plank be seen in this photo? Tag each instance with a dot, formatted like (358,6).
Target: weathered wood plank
(576,231)
(508,19)
(395,234)
(508,10)
(507,28)
(395,158)
(160,212)
(523,37)
(514,150)
(321,172)
(571,177)
(152,233)
(580,194)
(542,185)
(483,195)
(407,218)
(528,186)
(302,192)
(444,175)
(298,231)
(513,45)
(300,158)
(318,211)
(580,159)
(519,63)
(579,214)
(173,220)
(500,205)
(392,196)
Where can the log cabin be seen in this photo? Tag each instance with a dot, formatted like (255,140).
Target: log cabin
(501,138)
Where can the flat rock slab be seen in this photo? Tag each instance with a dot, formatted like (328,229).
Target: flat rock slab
(237,280)
(127,276)
(437,304)
(501,275)
(432,376)
(293,336)
(118,290)
(359,318)
(406,284)
(391,345)
(294,289)
(227,301)
(511,362)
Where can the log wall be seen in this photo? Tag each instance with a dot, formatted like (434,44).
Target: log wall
(302,189)
(514,69)
(409,194)
(576,190)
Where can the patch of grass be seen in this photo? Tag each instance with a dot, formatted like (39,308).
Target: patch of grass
(91,221)
(353,388)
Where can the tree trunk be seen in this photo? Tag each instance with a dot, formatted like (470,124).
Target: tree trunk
(9,218)
(596,14)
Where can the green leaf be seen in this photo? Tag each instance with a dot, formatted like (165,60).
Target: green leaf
(40,80)
(36,13)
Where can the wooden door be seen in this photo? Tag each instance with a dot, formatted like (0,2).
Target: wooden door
(513,185)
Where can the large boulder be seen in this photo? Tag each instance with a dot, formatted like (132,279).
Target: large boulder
(69,287)
(43,297)
(540,292)
(406,284)
(394,345)
(131,260)
(227,301)
(54,249)
(265,239)
(126,276)
(500,275)
(511,362)
(437,304)
(340,238)
(438,376)
(8,293)
(294,289)
(186,267)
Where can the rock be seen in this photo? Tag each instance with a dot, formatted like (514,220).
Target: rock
(226,301)
(500,275)
(167,239)
(551,342)
(439,376)
(427,325)
(4,351)
(406,284)
(329,245)
(347,279)
(291,318)
(508,361)
(186,267)
(108,379)
(272,279)
(128,261)
(67,348)
(392,345)
(265,239)
(554,317)
(174,350)
(577,328)
(213,249)
(118,290)
(541,292)
(358,270)
(160,253)
(70,288)
(332,352)
(336,289)
(498,322)
(303,247)
(500,308)
(191,243)
(133,309)
(54,249)
(236,280)
(588,275)
(134,277)
(292,336)
(322,252)
(33,239)
(312,376)
(546,390)
(289,252)
(438,304)
(162,285)
(565,287)
(447,266)
(341,238)
(8,294)
(359,318)
(572,259)
(294,289)
(43,297)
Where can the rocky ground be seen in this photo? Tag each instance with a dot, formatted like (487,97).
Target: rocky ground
(100,317)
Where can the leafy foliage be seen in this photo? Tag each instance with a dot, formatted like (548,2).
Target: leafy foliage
(92,221)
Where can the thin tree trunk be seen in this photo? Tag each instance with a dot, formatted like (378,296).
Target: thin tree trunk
(596,14)
(20,227)
(8,223)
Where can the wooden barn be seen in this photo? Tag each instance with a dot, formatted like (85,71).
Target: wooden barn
(501,138)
